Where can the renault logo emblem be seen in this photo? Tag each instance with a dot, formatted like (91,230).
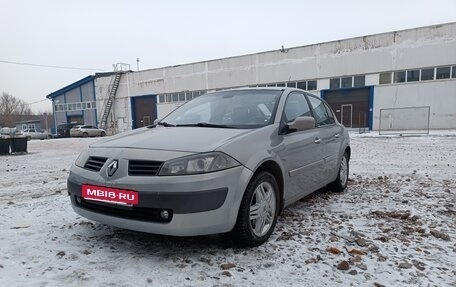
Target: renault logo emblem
(112,167)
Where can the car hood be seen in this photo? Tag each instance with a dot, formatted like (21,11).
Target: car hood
(186,139)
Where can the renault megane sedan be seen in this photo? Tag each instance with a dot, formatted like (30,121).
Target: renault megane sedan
(228,161)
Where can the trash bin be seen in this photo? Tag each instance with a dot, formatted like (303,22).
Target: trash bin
(18,144)
(4,145)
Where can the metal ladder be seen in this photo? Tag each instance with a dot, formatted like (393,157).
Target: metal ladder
(112,95)
(119,69)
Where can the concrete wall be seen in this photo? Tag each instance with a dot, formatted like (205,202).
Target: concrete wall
(439,95)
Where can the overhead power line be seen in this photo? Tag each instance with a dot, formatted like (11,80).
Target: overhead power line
(37,102)
(50,66)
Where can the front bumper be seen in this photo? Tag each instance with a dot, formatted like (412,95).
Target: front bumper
(197,204)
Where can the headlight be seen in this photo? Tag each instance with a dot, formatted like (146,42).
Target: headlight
(200,163)
(82,158)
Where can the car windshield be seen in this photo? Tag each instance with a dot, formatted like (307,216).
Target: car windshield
(227,109)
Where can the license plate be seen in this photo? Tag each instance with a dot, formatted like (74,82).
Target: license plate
(109,194)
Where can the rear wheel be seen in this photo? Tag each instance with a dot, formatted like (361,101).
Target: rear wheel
(342,177)
(102,134)
(84,135)
(259,210)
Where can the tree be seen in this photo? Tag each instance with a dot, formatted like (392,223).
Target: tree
(12,110)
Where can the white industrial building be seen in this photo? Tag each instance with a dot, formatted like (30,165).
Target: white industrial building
(358,77)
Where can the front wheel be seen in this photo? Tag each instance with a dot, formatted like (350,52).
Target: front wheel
(259,210)
(342,177)
(84,135)
(103,134)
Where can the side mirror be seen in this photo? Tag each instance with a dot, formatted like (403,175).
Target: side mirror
(301,124)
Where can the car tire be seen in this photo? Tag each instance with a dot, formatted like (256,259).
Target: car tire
(29,138)
(341,181)
(258,212)
(102,134)
(84,135)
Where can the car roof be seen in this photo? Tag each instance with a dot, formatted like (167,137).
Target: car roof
(263,89)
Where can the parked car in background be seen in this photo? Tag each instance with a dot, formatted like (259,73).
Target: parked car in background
(9,131)
(86,131)
(63,130)
(34,134)
(227,161)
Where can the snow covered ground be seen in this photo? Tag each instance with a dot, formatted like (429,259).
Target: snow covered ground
(395,226)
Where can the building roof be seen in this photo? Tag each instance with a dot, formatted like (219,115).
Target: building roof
(29,121)
(71,87)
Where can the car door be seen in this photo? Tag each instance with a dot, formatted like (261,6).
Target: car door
(90,131)
(331,134)
(301,152)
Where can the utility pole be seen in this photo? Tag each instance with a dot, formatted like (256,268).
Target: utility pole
(137,64)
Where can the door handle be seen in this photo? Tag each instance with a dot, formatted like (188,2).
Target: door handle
(336,135)
(317,140)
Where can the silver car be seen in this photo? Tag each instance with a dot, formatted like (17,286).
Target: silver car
(228,161)
(86,131)
(34,134)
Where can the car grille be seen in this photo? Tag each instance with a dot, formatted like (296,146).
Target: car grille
(143,167)
(95,163)
(128,212)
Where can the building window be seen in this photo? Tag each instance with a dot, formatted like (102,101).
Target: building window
(399,77)
(347,82)
(385,78)
(443,73)
(270,85)
(413,75)
(198,93)
(291,84)
(453,73)
(281,85)
(188,96)
(334,83)
(311,85)
(161,99)
(169,98)
(181,97)
(302,85)
(79,106)
(427,74)
(359,81)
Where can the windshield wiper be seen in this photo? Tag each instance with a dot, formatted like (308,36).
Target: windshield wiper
(165,124)
(207,125)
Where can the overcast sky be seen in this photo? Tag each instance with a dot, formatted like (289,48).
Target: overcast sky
(94,34)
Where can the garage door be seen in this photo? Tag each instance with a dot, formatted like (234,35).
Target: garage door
(350,105)
(143,110)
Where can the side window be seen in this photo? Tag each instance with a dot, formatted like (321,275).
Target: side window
(330,114)
(296,106)
(320,112)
